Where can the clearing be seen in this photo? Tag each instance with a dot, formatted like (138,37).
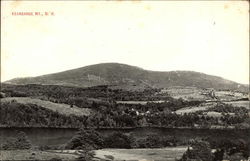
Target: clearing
(57,107)
(166,154)
(139,102)
(192,109)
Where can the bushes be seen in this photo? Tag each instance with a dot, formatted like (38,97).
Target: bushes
(228,108)
(51,147)
(119,140)
(13,93)
(20,142)
(156,141)
(200,151)
(91,139)
(151,141)
(226,150)
(86,139)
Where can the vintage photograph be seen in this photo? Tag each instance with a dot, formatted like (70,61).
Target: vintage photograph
(124,80)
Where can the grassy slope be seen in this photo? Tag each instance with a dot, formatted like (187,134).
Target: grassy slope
(58,107)
(167,154)
(192,109)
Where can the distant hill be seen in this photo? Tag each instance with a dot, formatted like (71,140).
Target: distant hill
(126,75)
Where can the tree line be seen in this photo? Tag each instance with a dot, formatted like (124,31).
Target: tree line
(14,114)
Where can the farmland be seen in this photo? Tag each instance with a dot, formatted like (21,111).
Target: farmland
(192,109)
(57,107)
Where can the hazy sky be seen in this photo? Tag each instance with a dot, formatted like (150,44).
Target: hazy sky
(209,37)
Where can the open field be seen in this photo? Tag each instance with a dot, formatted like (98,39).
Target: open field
(195,93)
(58,107)
(139,102)
(187,93)
(34,155)
(230,95)
(166,154)
(192,109)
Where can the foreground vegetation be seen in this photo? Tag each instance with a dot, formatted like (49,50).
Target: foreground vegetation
(90,144)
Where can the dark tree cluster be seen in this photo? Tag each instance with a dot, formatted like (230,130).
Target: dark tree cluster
(91,139)
(14,114)
(201,150)
(107,115)
(228,108)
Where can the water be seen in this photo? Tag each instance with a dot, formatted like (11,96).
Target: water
(57,136)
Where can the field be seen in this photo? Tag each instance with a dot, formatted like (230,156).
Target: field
(57,107)
(34,155)
(230,95)
(166,154)
(138,102)
(188,93)
(194,93)
(192,109)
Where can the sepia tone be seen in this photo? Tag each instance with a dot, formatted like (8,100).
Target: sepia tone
(125,80)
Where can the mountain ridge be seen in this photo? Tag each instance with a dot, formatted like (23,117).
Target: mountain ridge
(122,74)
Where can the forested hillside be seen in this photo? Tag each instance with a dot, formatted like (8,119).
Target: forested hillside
(107,111)
(123,75)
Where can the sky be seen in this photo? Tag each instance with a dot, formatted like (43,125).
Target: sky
(211,37)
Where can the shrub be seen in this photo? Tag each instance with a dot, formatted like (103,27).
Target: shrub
(119,140)
(85,139)
(200,150)
(156,141)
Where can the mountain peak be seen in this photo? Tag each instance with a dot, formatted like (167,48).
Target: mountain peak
(123,74)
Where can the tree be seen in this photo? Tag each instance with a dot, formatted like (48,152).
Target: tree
(200,151)
(218,155)
(86,140)
(119,140)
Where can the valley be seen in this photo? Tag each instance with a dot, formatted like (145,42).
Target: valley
(139,114)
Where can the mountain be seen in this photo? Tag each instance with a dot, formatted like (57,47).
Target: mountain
(122,74)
